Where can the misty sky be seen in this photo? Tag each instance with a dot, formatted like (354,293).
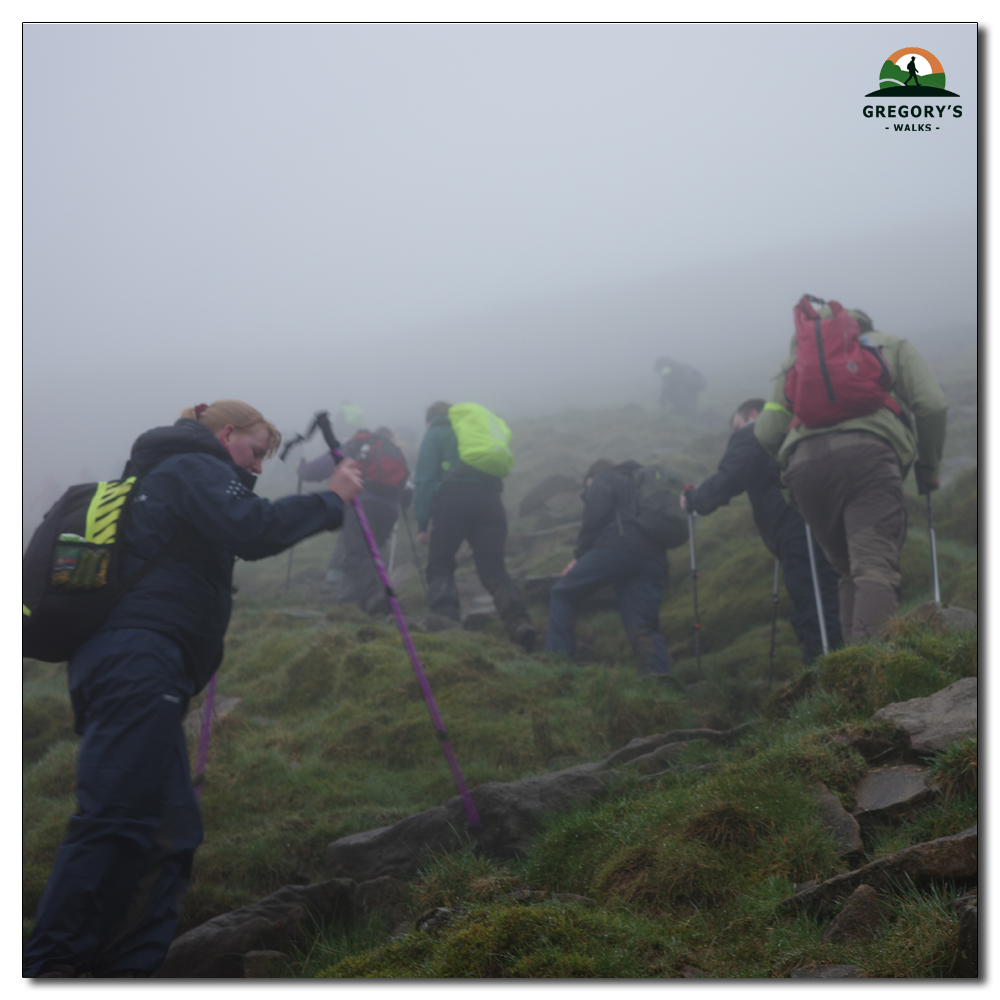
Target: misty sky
(524,215)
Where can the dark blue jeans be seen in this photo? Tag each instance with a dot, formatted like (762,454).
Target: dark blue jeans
(113,898)
(639,584)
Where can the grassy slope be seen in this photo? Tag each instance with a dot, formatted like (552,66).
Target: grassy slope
(332,736)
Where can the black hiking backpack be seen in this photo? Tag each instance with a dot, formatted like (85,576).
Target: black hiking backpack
(70,573)
(660,515)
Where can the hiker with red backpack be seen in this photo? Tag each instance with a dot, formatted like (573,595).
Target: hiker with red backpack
(852,411)
(352,576)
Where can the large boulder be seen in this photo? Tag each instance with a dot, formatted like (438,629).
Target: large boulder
(945,617)
(932,723)
(510,814)
(216,948)
(947,858)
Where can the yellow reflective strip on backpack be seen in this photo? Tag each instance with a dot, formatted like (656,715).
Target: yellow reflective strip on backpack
(105,509)
(778,406)
(105,521)
(26,611)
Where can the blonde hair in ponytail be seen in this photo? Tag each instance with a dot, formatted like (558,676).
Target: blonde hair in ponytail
(233,411)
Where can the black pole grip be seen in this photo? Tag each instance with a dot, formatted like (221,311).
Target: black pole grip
(322,421)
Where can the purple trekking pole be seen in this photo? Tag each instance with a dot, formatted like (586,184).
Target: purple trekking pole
(322,421)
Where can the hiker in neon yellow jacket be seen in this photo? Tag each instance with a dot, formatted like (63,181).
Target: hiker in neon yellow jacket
(459,502)
(847,478)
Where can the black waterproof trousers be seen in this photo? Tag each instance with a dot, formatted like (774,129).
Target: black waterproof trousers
(113,898)
(474,513)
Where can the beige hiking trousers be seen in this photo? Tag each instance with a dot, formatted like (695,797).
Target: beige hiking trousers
(849,489)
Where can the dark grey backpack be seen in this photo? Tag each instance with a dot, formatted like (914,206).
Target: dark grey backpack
(660,515)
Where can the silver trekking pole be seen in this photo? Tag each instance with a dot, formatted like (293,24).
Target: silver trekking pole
(774,623)
(694,590)
(930,525)
(819,596)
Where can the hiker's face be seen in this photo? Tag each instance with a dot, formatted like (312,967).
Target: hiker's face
(248,447)
(739,421)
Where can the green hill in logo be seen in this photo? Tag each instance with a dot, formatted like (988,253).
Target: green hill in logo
(892,78)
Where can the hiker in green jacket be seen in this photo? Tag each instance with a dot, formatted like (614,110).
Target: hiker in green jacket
(847,478)
(463,503)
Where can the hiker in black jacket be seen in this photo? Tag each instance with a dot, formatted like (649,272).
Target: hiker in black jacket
(748,467)
(112,901)
(612,548)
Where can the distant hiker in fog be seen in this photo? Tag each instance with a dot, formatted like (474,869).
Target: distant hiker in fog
(911,67)
(679,386)
(748,467)
(352,577)
(612,548)
(112,902)
(846,472)
(460,502)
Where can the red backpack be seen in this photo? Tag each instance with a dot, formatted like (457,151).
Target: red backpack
(380,460)
(837,374)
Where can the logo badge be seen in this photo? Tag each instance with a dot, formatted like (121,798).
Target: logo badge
(913,73)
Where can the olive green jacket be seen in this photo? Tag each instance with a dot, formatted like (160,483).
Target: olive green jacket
(913,387)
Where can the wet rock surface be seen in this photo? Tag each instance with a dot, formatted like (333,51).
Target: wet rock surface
(932,724)
(945,617)
(860,917)
(216,948)
(510,813)
(947,858)
(838,821)
(891,793)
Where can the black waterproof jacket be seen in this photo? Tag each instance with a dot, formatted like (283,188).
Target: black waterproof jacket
(194,496)
(610,508)
(747,465)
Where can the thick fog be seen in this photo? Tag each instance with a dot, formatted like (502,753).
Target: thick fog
(525,216)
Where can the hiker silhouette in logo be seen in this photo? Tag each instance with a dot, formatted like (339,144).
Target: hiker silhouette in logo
(911,67)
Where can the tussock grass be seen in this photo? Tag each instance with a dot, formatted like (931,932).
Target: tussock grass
(332,737)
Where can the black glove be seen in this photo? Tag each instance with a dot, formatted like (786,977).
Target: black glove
(920,473)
